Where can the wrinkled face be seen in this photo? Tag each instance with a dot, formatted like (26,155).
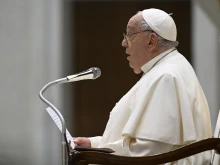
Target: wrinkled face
(136,44)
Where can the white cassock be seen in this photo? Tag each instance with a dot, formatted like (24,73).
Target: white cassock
(164,110)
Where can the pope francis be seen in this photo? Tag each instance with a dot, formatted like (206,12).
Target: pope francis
(166,108)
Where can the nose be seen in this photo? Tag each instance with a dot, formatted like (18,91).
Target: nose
(124,43)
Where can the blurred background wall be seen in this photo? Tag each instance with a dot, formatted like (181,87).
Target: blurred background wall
(43,40)
(206,51)
(34,51)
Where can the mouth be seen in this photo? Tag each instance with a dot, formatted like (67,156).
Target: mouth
(128,58)
(126,51)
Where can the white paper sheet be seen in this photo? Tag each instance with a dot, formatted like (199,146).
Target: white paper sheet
(56,119)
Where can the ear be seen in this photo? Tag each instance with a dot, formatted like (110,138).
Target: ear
(153,42)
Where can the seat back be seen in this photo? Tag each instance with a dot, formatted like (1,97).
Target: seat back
(216,157)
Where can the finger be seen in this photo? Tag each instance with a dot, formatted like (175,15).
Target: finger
(76,140)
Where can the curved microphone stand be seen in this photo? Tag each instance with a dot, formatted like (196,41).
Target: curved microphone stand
(63,142)
(91,73)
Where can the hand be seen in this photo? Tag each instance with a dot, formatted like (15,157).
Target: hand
(82,141)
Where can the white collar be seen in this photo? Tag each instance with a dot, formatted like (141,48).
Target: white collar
(150,64)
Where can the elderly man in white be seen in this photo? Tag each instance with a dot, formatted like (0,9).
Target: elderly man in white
(166,108)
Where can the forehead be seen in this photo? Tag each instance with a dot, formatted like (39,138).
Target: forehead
(133,23)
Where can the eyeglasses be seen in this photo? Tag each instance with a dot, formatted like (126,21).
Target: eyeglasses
(129,35)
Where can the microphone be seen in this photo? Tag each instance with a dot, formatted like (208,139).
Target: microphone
(92,73)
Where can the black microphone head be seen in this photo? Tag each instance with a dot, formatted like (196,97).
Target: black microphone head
(96,72)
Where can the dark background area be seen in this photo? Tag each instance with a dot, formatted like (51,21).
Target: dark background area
(98,28)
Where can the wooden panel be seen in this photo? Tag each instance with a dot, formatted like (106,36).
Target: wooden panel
(98,35)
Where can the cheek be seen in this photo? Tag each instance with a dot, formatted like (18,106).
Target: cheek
(133,48)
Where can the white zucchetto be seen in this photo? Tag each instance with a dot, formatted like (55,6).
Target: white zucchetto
(161,22)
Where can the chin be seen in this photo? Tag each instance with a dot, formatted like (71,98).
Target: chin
(137,71)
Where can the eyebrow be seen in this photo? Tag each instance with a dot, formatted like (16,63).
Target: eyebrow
(129,29)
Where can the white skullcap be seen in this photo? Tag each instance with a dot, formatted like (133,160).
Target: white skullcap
(161,23)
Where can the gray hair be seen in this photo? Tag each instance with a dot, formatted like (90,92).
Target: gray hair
(162,42)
